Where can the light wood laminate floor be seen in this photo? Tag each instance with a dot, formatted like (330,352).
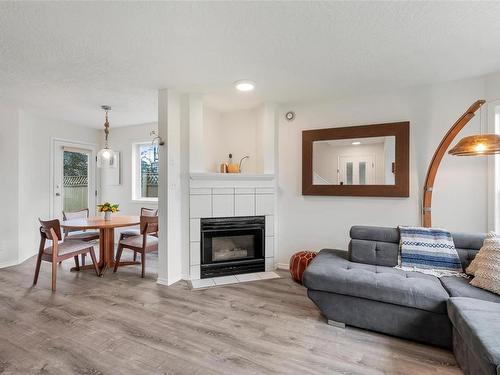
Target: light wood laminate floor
(122,324)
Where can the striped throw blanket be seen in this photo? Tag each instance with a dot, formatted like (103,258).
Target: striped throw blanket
(428,250)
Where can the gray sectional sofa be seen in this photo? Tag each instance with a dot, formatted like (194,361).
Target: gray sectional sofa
(361,288)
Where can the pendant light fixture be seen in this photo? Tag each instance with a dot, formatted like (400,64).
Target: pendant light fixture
(477,144)
(106,157)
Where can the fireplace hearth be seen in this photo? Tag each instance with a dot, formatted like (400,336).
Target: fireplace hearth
(232,245)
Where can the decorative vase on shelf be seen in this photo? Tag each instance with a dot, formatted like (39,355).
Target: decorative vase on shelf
(108,209)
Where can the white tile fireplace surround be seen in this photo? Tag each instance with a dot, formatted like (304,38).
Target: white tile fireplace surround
(214,195)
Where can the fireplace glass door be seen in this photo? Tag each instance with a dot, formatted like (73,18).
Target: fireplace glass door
(232,245)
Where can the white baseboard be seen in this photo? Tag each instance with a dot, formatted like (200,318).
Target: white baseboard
(164,281)
(9,264)
(283,266)
(16,262)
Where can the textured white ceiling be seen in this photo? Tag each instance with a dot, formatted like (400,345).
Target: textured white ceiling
(67,58)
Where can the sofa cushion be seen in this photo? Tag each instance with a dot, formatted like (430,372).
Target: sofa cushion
(374,245)
(478,322)
(379,234)
(460,287)
(330,273)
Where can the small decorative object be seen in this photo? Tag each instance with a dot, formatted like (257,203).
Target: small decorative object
(108,209)
(290,116)
(222,167)
(233,167)
(160,140)
(299,262)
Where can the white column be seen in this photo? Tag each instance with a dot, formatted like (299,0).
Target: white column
(169,188)
(196,134)
(268,137)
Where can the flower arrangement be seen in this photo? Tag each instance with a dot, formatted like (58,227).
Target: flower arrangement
(108,207)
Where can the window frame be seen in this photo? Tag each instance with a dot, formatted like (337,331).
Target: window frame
(136,174)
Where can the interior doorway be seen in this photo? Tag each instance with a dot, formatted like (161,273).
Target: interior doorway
(356,170)
(73,182)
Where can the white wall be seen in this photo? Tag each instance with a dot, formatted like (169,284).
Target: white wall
(231,132)
(459,199)
(122,139)
(9,186)
(36,134)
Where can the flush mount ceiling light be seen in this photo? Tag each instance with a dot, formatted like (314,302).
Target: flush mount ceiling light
(244,85)
(106,157)
(355,143)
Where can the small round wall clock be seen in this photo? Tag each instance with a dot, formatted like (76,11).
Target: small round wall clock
(290,116)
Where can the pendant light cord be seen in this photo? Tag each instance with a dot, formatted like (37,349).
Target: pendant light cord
(106,128)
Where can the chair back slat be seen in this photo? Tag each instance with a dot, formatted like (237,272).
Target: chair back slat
(149,224)
(149,211)
(46,227)
(81,214)
(70,215)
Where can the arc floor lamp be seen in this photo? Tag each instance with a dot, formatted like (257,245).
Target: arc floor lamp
(474,145)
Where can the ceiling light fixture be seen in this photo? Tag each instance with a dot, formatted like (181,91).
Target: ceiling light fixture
(244,85)
(106,157)
(355,143)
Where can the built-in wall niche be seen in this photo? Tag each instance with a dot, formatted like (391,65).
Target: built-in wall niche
(243,132)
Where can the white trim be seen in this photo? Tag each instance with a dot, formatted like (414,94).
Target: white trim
(9,264)
(231,176)
(92,147)
(493,173)
(283,266)
(162,281)
(145,200)
(18,261)
(136,171)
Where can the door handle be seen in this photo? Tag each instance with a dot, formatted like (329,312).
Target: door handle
(58,194)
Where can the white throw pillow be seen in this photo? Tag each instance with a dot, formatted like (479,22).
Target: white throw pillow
(486,265)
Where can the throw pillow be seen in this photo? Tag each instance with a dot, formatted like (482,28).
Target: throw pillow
(486,265)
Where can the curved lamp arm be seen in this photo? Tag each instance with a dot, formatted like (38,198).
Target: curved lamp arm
(438,156)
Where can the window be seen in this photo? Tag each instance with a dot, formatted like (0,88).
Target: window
(145,172)
(75,179)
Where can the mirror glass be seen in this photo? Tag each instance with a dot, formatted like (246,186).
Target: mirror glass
(357,161)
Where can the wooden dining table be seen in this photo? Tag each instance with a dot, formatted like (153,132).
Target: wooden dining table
(106,236)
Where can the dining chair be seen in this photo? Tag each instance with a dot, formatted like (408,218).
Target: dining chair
(82,235)
(142,244)
(136,232)
(59,251)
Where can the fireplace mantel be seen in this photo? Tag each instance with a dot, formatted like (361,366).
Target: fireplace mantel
(232,176)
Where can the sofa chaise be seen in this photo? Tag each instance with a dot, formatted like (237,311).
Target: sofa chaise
(361,288)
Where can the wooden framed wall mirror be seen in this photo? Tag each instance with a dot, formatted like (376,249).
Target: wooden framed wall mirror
(368,160)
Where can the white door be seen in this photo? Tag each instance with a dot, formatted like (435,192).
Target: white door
(73,178)
(356,170)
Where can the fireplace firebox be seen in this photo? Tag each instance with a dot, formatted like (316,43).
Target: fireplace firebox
(232,245)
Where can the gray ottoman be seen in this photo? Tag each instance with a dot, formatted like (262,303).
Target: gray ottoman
(476,335)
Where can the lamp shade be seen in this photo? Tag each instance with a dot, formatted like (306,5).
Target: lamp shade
(106,158)
(477,145)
